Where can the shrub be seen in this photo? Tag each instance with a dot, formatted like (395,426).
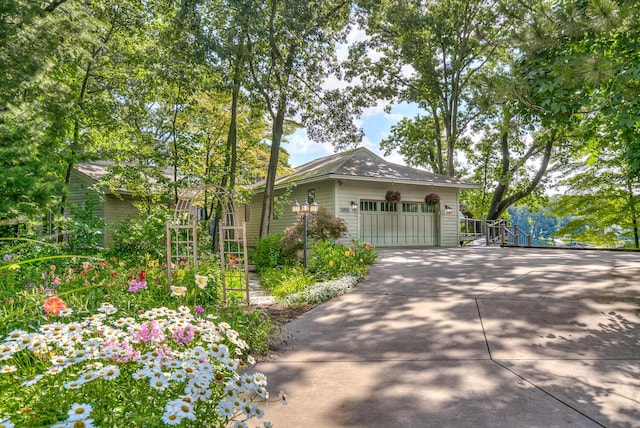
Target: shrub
(146,235)
(322,226)
(83,230)
(334,260)
(268,253)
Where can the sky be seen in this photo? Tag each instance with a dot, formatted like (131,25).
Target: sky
(376,124)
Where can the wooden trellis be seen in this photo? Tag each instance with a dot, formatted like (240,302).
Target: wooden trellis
(182,239)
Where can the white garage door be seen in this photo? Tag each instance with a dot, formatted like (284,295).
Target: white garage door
(397,223)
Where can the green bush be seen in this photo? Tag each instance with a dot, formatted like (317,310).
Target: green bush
(333,260)
(146,235)
(268,253)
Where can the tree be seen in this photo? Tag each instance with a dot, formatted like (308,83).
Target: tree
(431,53)
(602,201)
(288,62)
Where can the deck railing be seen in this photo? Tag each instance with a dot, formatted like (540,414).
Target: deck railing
(495,232)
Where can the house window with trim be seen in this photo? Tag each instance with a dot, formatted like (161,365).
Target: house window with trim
(388,206)
(368,206)
(409,207)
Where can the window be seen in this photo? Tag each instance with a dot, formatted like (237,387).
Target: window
(428,208)
(368,206)
(409,207)
(389,206)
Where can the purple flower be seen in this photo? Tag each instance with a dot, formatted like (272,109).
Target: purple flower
(199,309)
(432,198)
(135,286)
(7,257)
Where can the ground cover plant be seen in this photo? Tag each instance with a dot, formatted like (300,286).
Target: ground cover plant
(93,341)
(333,269)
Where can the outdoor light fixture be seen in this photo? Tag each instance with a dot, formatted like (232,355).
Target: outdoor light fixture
(354,207)
(304,209)
(447,209)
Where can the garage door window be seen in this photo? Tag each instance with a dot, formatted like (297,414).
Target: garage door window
(409,207)
(428,208)
(368,206)
(388,206)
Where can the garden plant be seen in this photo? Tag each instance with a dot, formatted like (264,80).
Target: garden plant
(93,341)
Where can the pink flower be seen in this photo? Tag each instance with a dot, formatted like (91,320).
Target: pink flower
(184,335)
(198,309)
(149,332)
(135,286)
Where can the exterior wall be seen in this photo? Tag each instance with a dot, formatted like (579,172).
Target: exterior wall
(324,196)
(111,209)
(80,191)
(337,195)
(446,224)
(116,211)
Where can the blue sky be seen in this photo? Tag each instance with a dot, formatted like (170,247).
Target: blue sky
(376,124)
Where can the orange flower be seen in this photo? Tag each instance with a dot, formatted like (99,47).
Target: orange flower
(54,305)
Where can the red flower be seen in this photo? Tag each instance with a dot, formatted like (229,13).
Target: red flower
(142,276)
(54,305)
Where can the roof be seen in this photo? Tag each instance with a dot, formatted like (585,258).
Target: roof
(362,164)
(98,170)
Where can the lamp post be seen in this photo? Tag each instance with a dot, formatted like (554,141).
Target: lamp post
(304,209)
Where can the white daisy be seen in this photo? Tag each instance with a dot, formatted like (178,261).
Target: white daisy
(282,397)
(171,418)
(83,423)
(185,410)
(31,380)
(110,372)
(8,369)
(159,383)
(179,375)
(79,411)
(73,384)
(140,374)
(16,335)
(6,423)
(225,409)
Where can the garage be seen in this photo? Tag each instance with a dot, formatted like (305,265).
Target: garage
(386,224)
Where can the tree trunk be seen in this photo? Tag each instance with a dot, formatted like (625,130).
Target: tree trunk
(276,138)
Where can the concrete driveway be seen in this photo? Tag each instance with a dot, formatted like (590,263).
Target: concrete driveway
(469,337)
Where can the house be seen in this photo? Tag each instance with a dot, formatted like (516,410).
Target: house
(86,183)
(353,185)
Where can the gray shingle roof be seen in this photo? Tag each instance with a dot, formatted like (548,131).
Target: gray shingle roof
(362,164)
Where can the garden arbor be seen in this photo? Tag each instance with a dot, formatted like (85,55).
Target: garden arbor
(182,237)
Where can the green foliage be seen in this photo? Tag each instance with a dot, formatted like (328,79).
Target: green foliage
(287,280)
(322,225)
(268,253)
(333,260)
(83,230)
(147,235)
